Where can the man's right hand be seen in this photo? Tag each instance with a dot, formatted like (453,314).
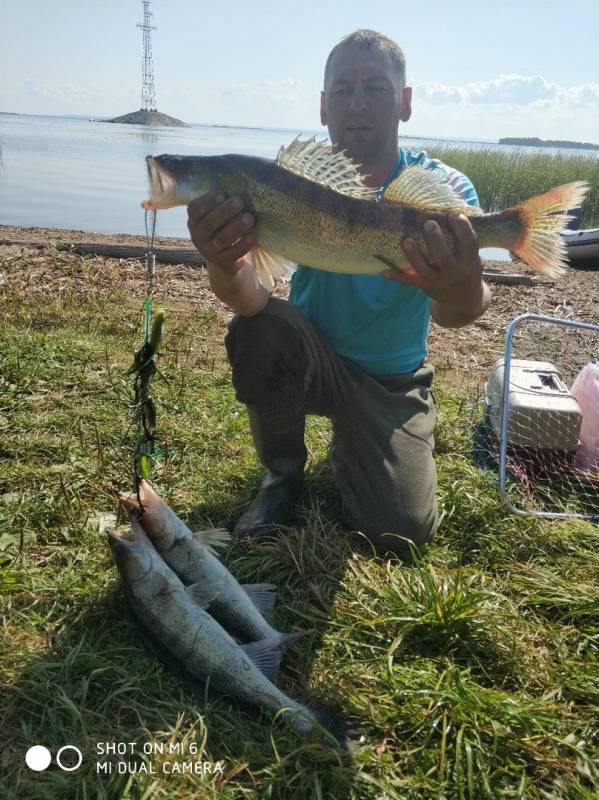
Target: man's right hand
(221,230)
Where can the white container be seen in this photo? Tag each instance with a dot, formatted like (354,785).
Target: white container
(542,412)
(586,390)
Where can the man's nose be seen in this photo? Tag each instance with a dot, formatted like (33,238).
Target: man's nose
(357,100)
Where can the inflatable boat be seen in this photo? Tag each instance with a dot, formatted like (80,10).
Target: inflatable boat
(583,248)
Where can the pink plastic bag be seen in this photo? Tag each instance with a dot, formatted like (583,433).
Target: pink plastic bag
(586,391)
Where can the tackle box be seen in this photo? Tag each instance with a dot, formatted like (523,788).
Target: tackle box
(542,412)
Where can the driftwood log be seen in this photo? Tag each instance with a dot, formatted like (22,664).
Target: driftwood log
(164,255)
(188,256)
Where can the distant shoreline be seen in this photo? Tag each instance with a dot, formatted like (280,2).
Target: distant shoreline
(563,143)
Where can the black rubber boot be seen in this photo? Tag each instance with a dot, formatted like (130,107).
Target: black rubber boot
(279,442)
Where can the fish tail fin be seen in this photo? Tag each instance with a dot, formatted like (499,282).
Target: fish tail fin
(287,639)
(543,217)
(346,731)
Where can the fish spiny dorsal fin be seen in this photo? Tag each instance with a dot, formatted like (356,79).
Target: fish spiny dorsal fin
(318,162)
(423,189)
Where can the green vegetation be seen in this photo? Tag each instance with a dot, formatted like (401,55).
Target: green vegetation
(504,179)
(474,669)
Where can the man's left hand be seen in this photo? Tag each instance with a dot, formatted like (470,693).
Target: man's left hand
(450,278)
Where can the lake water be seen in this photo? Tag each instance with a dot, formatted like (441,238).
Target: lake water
(65,172)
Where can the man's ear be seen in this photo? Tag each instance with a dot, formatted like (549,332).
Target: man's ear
(406,104)
(323,108)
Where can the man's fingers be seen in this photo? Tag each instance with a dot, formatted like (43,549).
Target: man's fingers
(417,260)
(228,234)
(237,251)
(215,216)
(439,253)
(466,240)
(216,225)
(199,207)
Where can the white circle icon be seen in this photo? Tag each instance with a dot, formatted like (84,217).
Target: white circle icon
(62,750)
(38,758)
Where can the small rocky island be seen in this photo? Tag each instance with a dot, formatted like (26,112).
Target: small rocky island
(535,142)
(148,117)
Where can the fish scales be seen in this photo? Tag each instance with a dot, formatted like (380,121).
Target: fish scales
(194,563)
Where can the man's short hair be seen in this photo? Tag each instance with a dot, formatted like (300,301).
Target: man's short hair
(366,39)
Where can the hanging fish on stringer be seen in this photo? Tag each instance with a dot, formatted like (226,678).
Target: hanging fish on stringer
(144,368)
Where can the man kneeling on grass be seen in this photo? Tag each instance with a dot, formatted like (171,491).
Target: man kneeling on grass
(349,347)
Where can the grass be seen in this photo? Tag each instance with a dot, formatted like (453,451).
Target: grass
(474,668)
(504,179)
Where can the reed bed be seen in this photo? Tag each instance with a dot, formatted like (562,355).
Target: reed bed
(504,179)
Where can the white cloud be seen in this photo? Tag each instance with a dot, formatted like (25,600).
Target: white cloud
(33,96)
(510,105)
(512,90)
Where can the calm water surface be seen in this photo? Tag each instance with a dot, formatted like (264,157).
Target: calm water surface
(64,172)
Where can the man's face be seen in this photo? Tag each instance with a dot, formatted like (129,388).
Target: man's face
(363,101)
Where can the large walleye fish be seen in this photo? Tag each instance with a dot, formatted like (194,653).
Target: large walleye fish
(312,207)
(175,617)
(238,607)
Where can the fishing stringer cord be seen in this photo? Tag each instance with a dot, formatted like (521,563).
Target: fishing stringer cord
(144,407)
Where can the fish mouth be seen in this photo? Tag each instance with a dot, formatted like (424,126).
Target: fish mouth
(125,537)
(162,185)
(130,502)
(131,536)
(123,545)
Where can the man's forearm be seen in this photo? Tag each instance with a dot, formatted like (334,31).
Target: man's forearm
(458,314)
(240,290)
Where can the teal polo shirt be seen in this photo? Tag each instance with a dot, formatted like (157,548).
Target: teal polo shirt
(379,324)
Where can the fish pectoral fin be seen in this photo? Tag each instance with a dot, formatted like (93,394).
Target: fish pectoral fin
(270,268)
(426,190)
(204,592)
(262,595)
(390,264)
(213,538)
(266,656)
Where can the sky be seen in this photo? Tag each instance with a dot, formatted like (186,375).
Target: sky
(479,70)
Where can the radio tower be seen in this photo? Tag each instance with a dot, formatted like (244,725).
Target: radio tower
(148,93)
(148,114)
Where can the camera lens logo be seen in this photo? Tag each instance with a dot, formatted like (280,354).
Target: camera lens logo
(38,758)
